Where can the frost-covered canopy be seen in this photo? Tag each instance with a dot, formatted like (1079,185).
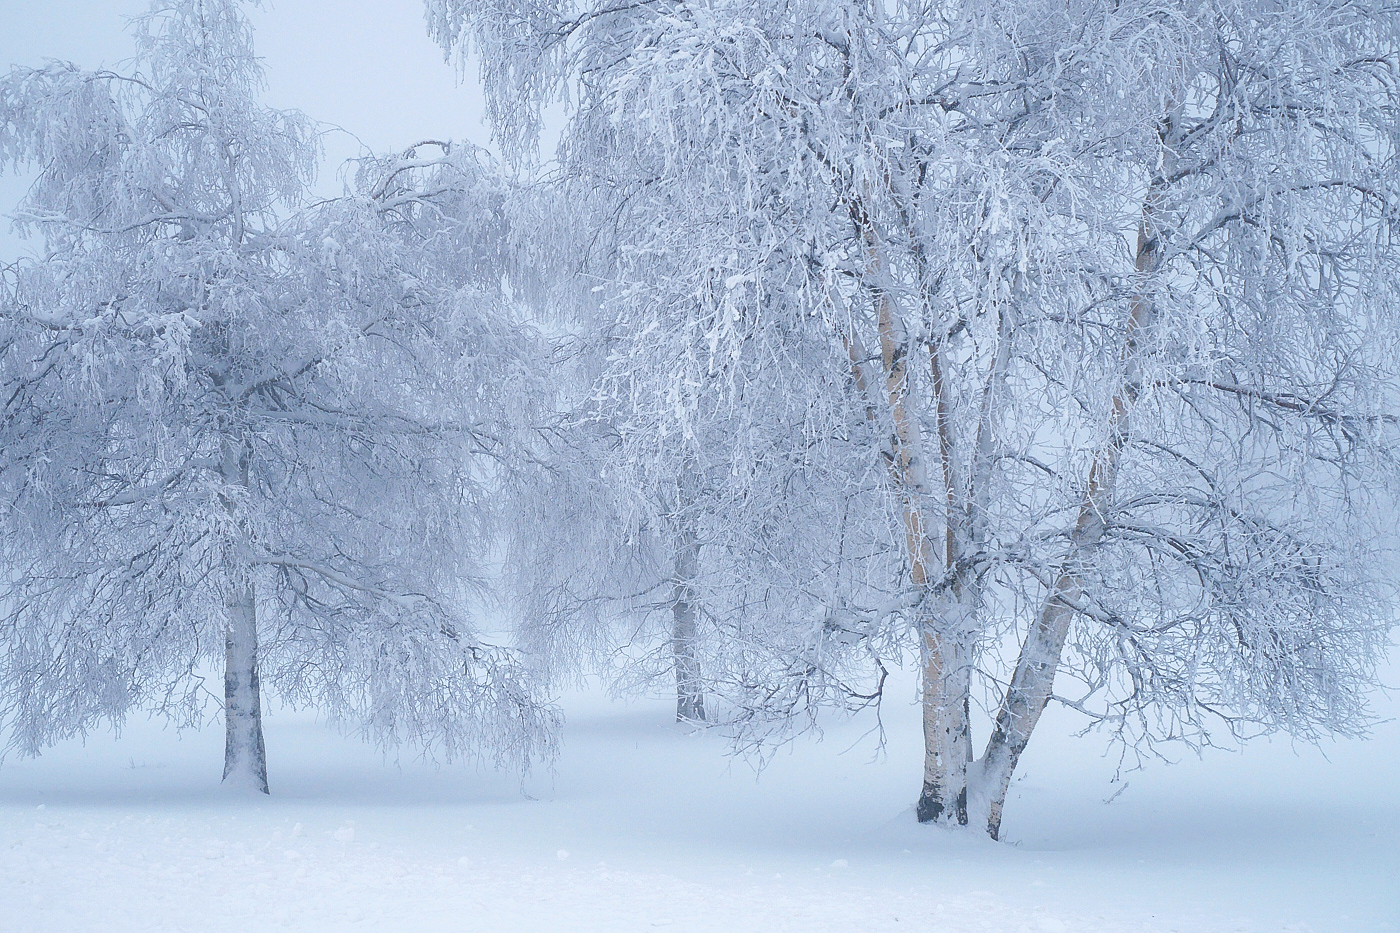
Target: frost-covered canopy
(239,424)
(932,326)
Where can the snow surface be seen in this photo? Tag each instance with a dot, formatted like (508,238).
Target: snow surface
(645,825)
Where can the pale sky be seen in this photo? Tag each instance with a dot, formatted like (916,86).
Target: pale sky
(365,65)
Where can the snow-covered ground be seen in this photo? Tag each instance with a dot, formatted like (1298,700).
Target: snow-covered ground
(645,825)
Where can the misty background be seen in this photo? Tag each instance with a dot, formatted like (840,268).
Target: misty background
(367,71)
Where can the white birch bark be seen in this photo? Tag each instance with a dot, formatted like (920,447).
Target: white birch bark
(245,759)
(942,663)
(1033,679)
(948,664)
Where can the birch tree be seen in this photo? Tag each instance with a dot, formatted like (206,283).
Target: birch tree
(1224,561)
(243,431)
(658,535)
(1159,469)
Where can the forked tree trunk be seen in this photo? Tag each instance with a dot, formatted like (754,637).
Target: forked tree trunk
(690,698)
(245,760)
(944,669)
(1033,680)
(944,665)
(945,651)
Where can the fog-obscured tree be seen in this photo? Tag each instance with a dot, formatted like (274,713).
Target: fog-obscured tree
(244,430)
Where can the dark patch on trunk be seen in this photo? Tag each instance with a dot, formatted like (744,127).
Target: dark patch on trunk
(931,806)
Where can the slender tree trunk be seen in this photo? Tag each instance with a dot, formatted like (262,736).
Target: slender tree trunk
(948,664)
(1033,680)
(947,743)
(245,760)
(690,699)
(1029,690)
(945,661)
(943,664)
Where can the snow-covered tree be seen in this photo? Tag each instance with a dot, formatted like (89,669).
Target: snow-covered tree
(1229,467)
(1103,293)
(665,543)
(243,431)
